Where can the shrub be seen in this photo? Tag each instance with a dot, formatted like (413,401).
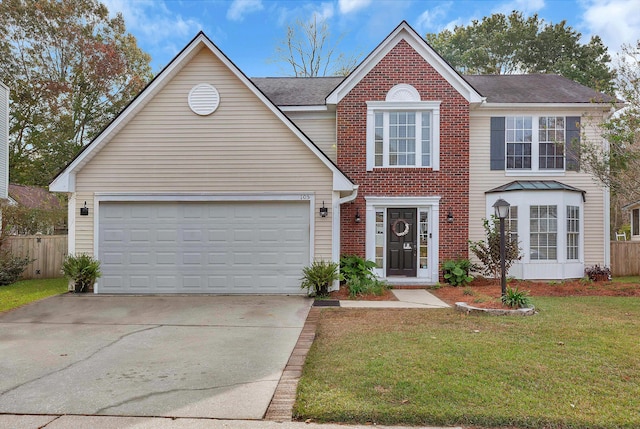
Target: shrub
(456,272)
(11,267)
(516,298)
(352,266)
(317,277)
(598,273)
(362,286)
(488,251)
(359,276)
(82,269)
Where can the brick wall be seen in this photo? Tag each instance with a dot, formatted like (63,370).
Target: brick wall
(451,182)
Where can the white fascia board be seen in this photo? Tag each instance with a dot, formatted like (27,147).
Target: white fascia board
(62,182)
(405,32)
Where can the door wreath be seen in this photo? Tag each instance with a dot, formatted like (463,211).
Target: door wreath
(394,228)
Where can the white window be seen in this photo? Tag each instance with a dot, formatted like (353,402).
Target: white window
(543,229)
(635,222)
(512,223)
(573,232)
(535,143)
(403,131)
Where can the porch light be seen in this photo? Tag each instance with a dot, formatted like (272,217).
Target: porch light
(323,210)
(358,218)
(501,208)
(84,211)
(450,217)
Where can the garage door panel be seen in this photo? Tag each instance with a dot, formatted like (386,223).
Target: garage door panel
(172,247)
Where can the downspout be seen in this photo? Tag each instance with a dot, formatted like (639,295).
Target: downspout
(336,229)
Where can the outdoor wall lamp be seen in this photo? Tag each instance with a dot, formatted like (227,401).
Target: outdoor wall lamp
(323,210)
(84,211)
(358,218)
(450,217)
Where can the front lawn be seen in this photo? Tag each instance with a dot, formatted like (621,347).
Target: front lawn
(26,291)
(576,364)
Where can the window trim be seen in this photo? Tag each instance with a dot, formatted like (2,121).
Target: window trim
(433,107)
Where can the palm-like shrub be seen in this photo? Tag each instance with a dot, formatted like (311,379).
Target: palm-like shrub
(317,277)
(82,269)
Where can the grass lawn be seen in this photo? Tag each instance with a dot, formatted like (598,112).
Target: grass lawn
(26,291)
(576,364)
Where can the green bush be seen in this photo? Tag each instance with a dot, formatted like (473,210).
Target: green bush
(82,269)
(456,272)
(516,298)
(488,251)
(318,277)
(359,276)
(352,266)
(11,267)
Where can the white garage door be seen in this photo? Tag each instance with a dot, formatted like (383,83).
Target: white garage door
(203,247)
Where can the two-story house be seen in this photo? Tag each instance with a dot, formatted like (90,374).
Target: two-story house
(213,182)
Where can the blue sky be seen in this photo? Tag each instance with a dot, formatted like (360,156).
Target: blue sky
(248,31)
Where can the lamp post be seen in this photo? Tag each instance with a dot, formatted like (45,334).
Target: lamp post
(501,208)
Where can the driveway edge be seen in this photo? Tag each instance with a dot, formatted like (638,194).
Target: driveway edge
(281,405)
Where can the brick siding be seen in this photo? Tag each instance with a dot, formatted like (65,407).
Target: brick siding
(404,65)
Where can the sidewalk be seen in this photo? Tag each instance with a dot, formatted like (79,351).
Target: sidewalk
(407,298)
(109,422)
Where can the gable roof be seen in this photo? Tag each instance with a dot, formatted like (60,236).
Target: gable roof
(33,197)
(408,34)
(65,180)
(535,88)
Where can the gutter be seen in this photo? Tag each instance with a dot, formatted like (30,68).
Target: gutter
(349,197)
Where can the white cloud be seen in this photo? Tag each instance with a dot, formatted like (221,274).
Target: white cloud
(431,19)
(325,12)
(152,19)
(616,21)
(348,6)
(240,8)
(527,7)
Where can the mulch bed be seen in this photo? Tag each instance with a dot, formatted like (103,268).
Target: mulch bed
(343,294)
(485,293)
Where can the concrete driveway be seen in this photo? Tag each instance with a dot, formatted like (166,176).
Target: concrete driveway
(177,356)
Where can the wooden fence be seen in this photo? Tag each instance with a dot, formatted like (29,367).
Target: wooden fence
(47,250)
(625,258)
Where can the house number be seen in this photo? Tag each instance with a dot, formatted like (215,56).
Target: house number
(305,197)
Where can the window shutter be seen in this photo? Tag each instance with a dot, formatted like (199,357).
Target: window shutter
(497,143)
(572,144)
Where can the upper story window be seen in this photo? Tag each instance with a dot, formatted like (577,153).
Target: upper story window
(403,131)
(535,143)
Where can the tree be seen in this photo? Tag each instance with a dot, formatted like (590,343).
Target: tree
(70,69)
(502,44)
(619,166)
(308,50)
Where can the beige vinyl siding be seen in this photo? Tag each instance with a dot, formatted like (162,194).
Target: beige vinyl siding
(320,128)
(482,179)
(241,148)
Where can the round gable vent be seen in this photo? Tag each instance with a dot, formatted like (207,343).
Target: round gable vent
(204,99)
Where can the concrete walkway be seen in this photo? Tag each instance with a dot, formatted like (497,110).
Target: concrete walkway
(407,298)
